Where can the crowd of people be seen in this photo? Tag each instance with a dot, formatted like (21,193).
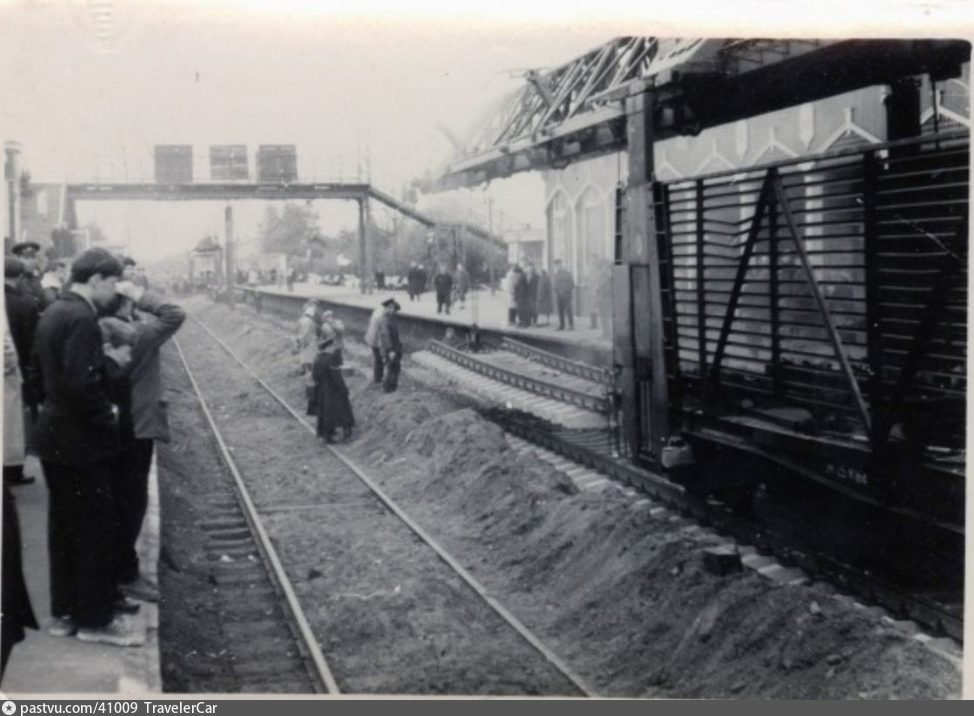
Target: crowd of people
(83,393)
(533,294)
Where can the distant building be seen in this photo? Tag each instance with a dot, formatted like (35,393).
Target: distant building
(206,262)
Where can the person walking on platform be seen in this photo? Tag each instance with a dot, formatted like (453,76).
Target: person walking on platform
(462,284)
(521,296)
(157,321)
(563,285)
(413,284)
(443,283)
(510,281)
(329,401)
(78,443)
(21,321)
(531,294)
(390,346)
(544,296)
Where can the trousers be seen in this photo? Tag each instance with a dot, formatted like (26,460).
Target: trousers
(565,310)
(377,365)
(81,527)
(391,381)
(130,492)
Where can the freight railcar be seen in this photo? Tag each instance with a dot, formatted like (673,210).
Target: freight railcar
(815,329)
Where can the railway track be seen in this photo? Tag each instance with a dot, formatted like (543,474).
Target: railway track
(584,394)
(518,661)
(236,538)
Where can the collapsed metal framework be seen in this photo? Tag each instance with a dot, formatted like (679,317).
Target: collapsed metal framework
(576,110)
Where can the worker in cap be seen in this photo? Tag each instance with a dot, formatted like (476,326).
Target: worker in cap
(390,347)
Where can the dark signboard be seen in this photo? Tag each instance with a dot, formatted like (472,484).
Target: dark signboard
(228,162)
(277,163)
(174,163)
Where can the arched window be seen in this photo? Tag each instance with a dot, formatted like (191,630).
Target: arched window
(559,230)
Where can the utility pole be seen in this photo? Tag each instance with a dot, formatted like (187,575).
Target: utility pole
(228,215)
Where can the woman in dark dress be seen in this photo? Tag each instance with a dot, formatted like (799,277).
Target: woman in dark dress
(329,399)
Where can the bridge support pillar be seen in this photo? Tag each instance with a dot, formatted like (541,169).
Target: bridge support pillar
(366,249)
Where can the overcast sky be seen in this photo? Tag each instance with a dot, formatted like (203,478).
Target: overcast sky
(90,86)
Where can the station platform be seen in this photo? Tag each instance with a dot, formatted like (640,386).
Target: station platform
(43,664)
(481,308)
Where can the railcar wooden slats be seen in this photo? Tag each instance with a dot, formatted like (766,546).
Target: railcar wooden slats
(816,276)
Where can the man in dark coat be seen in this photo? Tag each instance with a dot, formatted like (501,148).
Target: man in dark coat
(77,440)
(443,283)
(563,285)
(390,347)
(544,296)
(22,317)
(521,296)
(329,401)
(531,294)
(412,282)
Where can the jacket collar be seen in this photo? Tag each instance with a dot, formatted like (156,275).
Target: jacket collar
(71,295)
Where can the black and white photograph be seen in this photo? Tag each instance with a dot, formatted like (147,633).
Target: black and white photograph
(437,350)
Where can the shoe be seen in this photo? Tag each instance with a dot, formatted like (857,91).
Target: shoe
(62,626)
(141,589)
(124,605)
(117,633)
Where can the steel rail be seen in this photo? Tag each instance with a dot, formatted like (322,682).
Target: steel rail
(321,672)
(481,591)
(602,376)
(597,404)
